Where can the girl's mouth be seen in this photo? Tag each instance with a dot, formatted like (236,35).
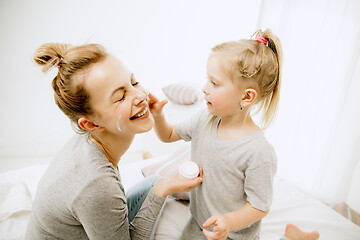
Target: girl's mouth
(144,113)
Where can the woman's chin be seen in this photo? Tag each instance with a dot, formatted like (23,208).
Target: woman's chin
(145,126)
(137,126)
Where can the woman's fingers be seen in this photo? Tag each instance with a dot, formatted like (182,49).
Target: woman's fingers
(188,185)
(200,172)
(185,185)
(166,186)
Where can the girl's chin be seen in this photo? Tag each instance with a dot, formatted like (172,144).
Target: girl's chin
(211,111)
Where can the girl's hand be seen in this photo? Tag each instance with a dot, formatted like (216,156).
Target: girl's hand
(221,229)
(154,104)
(167,186)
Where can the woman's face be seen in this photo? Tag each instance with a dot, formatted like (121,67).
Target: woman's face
(118,100)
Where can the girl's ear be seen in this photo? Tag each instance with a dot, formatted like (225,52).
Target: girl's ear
(89,126)
(249,97)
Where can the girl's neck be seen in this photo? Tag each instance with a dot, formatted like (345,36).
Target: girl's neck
(236,127)
(114,146)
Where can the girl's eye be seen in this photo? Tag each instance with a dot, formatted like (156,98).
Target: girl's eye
(136,83)
(213,83)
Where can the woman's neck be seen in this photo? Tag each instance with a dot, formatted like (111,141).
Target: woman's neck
(113,146)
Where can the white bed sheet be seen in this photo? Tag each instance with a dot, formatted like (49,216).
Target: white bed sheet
(290,205)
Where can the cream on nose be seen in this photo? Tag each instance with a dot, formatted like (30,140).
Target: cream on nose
(140,97)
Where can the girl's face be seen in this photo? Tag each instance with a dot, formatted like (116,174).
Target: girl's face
(119,101)
(223,97)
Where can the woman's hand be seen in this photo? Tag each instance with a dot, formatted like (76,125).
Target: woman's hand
(167,186)
(222,227)
(155,105)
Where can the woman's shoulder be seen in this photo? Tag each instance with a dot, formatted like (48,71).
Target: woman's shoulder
(80,165)
(80,150)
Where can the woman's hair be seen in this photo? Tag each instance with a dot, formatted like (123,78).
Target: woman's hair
(73,62)
(259,65)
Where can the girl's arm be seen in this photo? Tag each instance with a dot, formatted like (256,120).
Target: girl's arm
(225,223)
(165,131)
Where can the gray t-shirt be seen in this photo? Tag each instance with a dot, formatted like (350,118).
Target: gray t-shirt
(235,172)
(80,196)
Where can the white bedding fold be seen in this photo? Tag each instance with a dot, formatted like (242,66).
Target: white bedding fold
(14,197)
(17,190)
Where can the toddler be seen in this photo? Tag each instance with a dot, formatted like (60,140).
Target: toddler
(238,162)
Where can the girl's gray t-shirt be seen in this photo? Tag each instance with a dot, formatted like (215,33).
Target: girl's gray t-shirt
(80,196)
(235,172)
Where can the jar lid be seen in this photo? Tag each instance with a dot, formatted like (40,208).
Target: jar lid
(189,169)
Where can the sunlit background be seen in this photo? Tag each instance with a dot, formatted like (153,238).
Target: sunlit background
(316,133)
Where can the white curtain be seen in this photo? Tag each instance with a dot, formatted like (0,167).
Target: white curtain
(317,131)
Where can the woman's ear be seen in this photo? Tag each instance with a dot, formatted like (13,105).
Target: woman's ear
(89,126)
(248,97)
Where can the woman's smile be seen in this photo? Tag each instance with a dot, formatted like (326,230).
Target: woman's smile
(142,114)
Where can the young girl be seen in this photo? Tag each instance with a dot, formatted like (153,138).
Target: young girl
(238,163)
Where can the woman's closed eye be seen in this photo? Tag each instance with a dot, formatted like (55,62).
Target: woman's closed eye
(122,98)
(135,83)
(124,94)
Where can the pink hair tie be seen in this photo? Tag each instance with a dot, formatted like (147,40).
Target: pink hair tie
(261,39)
(61,61)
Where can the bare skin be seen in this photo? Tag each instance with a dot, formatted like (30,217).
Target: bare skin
(292,232)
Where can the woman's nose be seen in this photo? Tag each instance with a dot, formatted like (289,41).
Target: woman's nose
(139,98)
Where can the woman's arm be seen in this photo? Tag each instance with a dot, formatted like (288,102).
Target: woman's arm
(166,186)
(225,223)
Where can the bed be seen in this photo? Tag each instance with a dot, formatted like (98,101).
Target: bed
(290,205)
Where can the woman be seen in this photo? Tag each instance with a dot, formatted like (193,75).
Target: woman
(81,196)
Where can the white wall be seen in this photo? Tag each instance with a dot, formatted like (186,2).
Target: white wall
(160,41)
(316,132)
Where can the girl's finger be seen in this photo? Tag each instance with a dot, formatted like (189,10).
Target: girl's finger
(152,97)
(208,234)
(210,221)
(163,102)
(213,235)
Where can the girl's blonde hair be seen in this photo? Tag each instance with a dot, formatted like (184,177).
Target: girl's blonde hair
(69,91)
(258,64)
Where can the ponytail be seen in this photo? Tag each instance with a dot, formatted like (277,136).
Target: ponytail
(271,88)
